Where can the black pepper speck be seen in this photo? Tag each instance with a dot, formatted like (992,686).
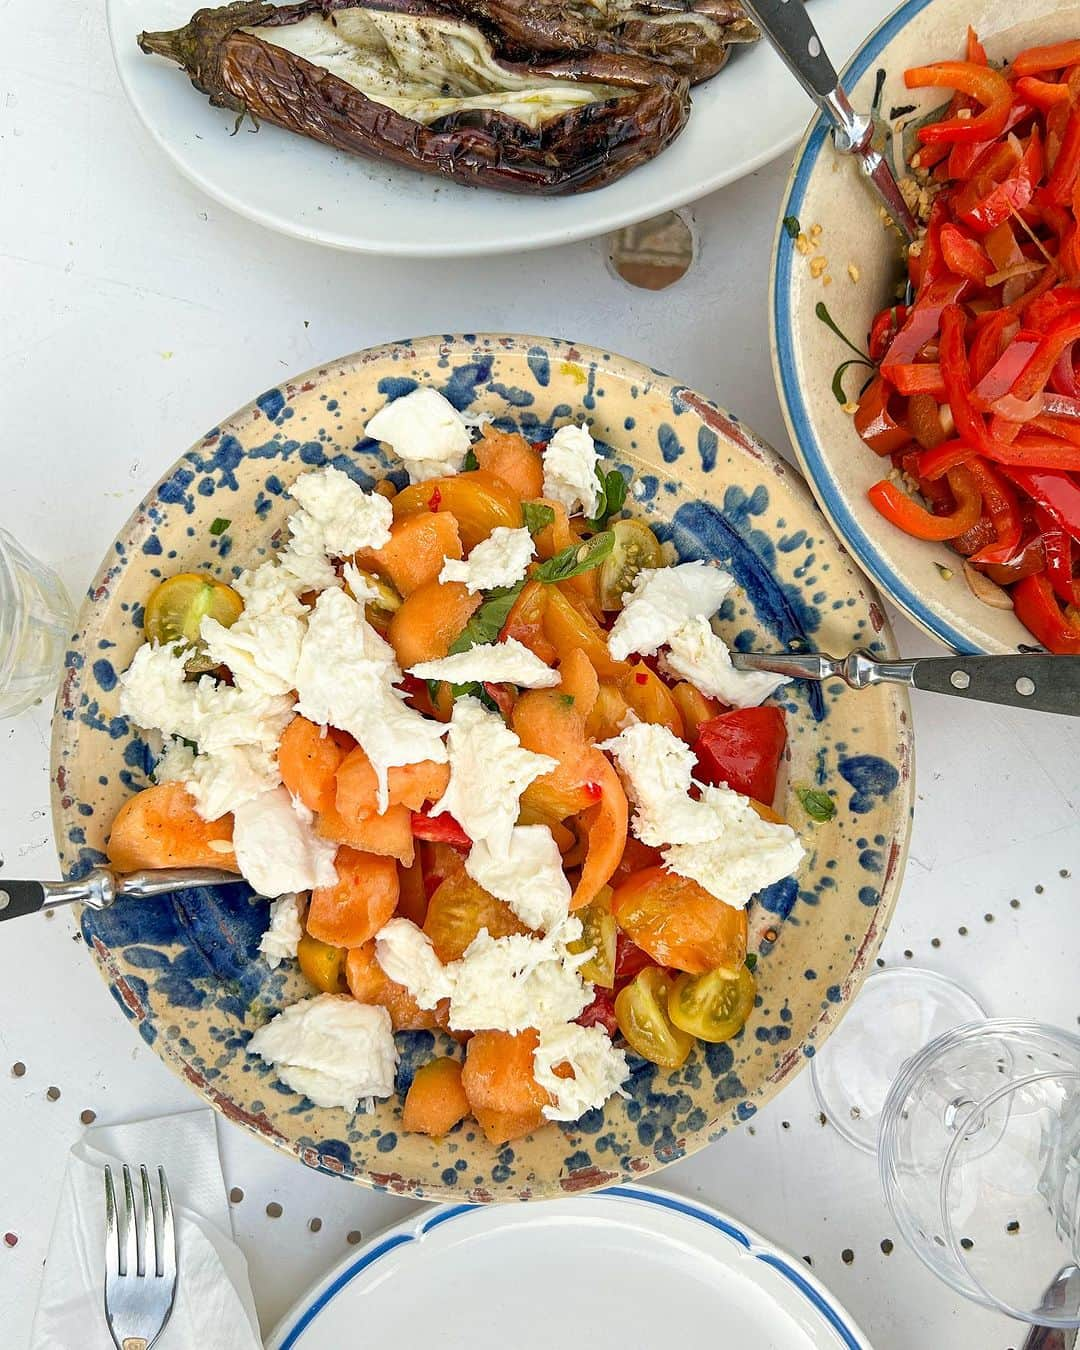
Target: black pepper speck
(847,1256)
(354,1238)
(886,1246)
(235,1195)
(274,1210)
(53,1094)
(18,1069)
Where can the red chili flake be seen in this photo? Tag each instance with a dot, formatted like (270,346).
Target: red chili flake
(11,1240)
(593,791)
(434,500)
(641,678)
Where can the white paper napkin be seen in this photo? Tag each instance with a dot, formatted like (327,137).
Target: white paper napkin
(213,1306)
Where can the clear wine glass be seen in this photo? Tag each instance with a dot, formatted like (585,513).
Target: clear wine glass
(978,1139)
(36,620)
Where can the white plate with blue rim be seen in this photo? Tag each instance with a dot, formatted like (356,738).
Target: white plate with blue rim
(743,117)
(660,1271)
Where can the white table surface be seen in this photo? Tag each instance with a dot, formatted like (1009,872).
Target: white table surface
(133,314)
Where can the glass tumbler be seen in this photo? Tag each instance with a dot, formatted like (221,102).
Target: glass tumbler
(979,1154)
(36,621)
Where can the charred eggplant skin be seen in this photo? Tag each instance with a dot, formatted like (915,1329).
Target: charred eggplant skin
(693,37)
(575,151)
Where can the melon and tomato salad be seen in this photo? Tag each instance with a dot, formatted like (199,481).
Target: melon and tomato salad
(665,960)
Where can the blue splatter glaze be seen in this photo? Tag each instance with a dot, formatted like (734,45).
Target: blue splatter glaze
(871,777)
(271,403)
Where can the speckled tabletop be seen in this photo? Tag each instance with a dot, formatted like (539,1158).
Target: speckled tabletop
(135,313)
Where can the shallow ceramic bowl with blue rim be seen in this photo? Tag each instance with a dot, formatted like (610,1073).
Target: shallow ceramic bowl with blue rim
(826,189)
(185,969)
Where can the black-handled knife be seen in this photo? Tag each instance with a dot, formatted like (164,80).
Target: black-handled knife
(101,887)
(1030,680)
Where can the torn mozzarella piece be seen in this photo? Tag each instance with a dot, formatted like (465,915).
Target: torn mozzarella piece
(425,431)
(570,461)
(260,650)
(280,940)
(509,662)
(331,1049)
(745,853)
(599,1069)
(661,600)
(527,875)
(235,730)
(345,679)
(511,983)
(697,654)
(407,957)
(499,560)
(657,768)
(489,770)
(277,849)
(347,517)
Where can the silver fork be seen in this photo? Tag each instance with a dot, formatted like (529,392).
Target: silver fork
(140,1263)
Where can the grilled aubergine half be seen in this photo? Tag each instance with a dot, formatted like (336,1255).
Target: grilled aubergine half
(694,37)
(414,82)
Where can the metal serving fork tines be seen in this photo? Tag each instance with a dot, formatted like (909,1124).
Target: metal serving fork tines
(140,1262)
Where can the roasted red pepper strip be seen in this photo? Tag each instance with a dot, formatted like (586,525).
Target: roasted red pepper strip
(1056,57)
(1042,93)
(924,377)
(965,256)
(1037,608)
(885,327)
(936,463)
(1060,184)
(1012,194)
(1001,505)
(1001,376)
(875,423)
(1058,552)
(901,510)
(923,322)
(964,160)
(976,52)
(1058,334)
(1057,493)
(987,86)
(970,426)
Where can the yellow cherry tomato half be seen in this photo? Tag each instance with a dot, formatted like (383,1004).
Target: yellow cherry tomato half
(642,1015)
(323,965)
(599,932)
(635,548)
(178,606)
(714,1006)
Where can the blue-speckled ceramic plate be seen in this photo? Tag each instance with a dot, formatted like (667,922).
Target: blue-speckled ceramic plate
(185,969)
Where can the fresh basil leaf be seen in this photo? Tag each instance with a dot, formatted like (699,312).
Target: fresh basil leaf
(578,558)
(433,689)
(220,525)
(612,496)
(471,462)
(792,226)
(751,961)
(537,516)
(817,805)
(486,624)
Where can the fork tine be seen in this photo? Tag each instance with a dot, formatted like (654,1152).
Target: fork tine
(131,1232)
(168,1230)
(112,1236)
(149,1247)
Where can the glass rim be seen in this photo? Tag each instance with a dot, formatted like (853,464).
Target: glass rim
(11,600)
(1007,1089)
(890,1115)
